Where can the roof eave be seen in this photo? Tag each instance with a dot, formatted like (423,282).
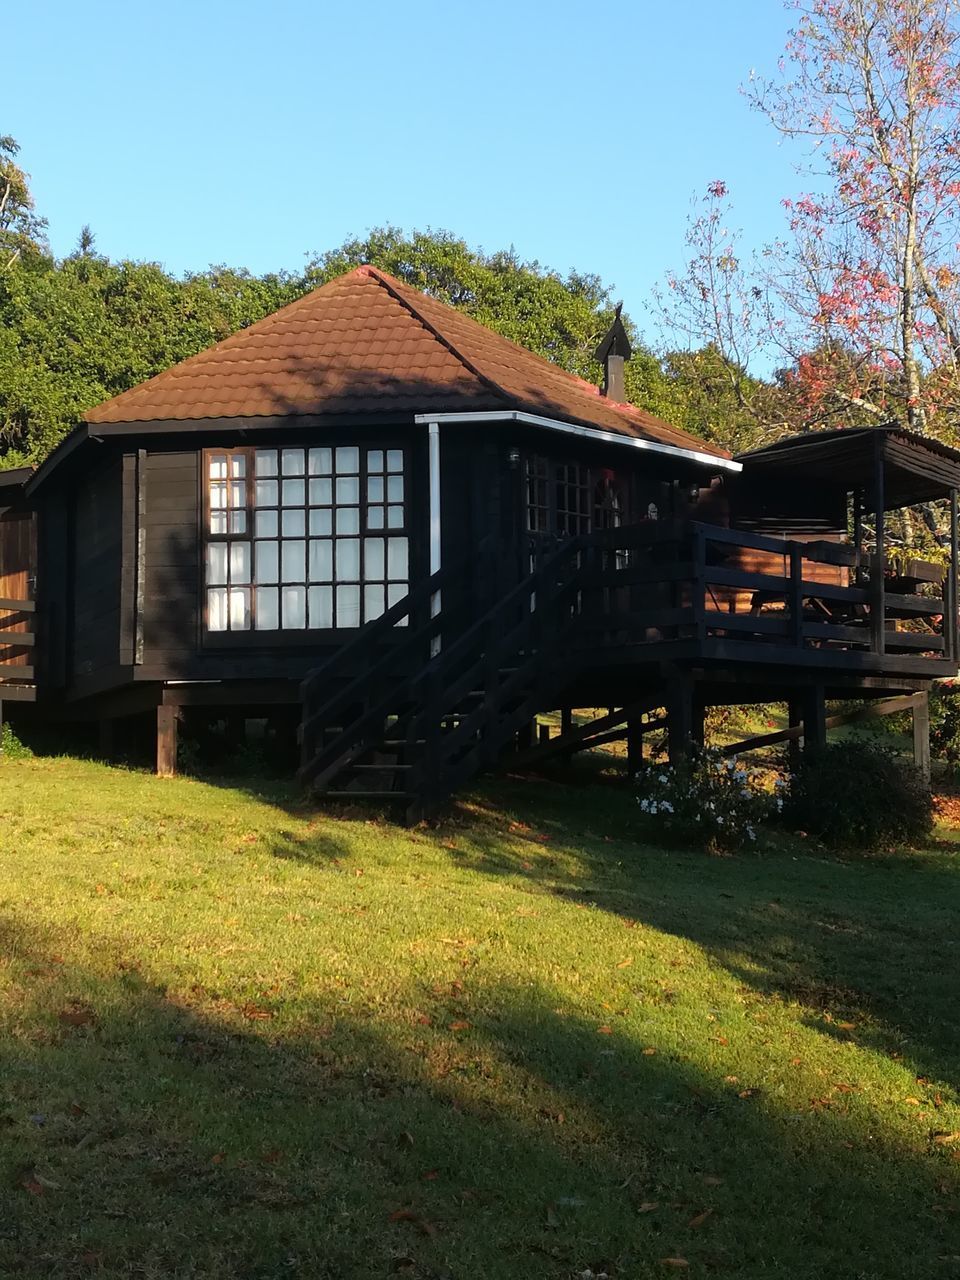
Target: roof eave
(694,456)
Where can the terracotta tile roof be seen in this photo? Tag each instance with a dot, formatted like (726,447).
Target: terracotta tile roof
(366,344)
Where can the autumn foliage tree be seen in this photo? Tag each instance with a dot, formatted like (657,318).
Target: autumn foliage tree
(860,299)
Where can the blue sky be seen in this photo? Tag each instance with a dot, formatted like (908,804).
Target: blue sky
(253,134)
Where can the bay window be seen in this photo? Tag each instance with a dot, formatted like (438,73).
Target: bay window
(300,539)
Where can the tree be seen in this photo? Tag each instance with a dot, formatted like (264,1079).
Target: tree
(860,299)
(21,230)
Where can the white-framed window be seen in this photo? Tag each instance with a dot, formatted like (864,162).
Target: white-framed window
(304,537)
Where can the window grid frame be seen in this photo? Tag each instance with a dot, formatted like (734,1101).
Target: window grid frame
(399,512)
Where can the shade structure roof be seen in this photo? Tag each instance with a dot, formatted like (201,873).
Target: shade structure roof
(916,468)
(365,344)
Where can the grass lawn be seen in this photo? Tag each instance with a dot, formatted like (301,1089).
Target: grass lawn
(241,1039)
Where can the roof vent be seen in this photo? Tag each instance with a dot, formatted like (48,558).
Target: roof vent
(612,352)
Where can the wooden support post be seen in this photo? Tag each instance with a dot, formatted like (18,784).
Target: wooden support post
(878,621)
(167,741)
(680,719)
(796,595)
(921,735)
(634,746)
(814,718)
(950,635)
(795,720)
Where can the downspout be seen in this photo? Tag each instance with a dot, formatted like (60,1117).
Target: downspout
(433,445)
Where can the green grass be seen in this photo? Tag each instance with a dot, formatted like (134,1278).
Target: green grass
(242,1039)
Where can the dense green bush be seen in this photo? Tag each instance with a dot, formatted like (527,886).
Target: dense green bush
(945,723)
(858,794)
(707,800)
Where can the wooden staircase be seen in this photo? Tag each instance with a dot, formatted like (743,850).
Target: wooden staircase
(413,709)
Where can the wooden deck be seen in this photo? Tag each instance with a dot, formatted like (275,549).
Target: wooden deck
(17,645)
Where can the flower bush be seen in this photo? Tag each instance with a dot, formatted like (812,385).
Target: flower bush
(707,800)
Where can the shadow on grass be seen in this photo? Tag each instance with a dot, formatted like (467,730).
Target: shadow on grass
(873,941)
(155,1134)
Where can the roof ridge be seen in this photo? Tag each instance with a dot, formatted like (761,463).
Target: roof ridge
(388,281)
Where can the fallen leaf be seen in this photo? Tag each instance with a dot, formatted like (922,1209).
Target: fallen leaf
(674,1262)
(699,1219)
(255,1013)
(747,1093)
(721,1039)
(77,1016)
(460,1025)
(846,1026)
(605,1031)
(407,1215)
(711,1180)
(944,1139)
(795,1062)
(272,1157)
(731,1079)
(912,1102)
(649,1052)
(648,1206)
(218,1158)
(625,964)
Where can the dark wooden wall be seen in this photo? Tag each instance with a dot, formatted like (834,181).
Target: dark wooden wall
(95,554)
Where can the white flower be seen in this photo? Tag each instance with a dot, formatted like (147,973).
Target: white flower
(751,833)
(666,806)
(719,820)
(663,778)
(779,803)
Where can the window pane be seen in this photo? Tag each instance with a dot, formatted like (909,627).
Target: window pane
(265,524)
(218,521)
(321,606)
(348,606)
(218,466)
(375,489)
(217,609)
(239,562)
(348,560)
(321,560)
(293,561)
(394,459)
(218,494)
(238,522)
(294,523)
(321,462)
(348,489)
(396,558)
(268,609)
(374,459)
(293,493)
(321,521)
(373,562)
(396,591)
(238,493)
(216,563)
(348,461)
(266,562)
(321,492)
(291,462)
(266,493)
(294,603)
(395,489)
(266,462)
(394,517)
(238,464)
(348,519)
(239,608)
(372,601)
(375,517)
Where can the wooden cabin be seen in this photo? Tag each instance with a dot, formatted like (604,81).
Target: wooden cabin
(374,522)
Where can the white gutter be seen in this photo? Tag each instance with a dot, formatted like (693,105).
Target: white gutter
(588,433)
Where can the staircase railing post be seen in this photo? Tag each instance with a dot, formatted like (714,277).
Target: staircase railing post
(796,594)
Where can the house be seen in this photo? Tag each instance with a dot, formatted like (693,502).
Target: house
(372,520)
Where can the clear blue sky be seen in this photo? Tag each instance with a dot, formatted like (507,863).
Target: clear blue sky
(253,134)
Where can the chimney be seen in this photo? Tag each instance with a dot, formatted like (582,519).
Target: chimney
(612,352)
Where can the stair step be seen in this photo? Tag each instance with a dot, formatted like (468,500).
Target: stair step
(379,768)
(404,742)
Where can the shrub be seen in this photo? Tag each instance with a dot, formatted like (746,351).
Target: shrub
(945,723)
(11,748)
(858,795)
(706,800)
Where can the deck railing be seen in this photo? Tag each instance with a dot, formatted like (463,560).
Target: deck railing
(17,641)
(667,581)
